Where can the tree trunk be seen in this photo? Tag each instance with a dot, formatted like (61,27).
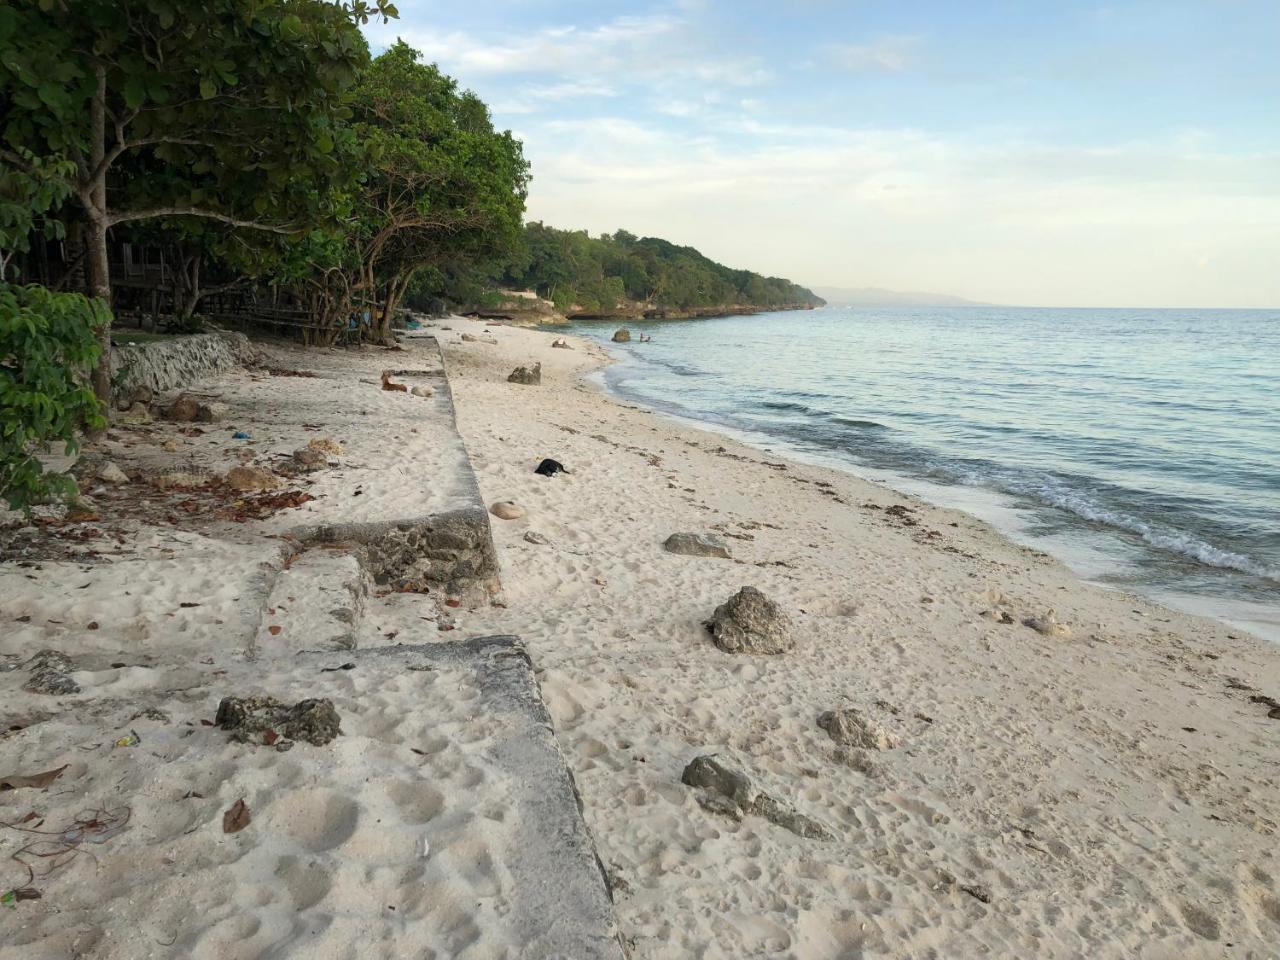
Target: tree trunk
(100,286)
(187,284)
(94,198)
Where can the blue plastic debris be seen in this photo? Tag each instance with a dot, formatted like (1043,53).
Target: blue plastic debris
(240,435)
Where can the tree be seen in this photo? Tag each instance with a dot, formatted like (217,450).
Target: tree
(178,108)
(441,185)
(47,346)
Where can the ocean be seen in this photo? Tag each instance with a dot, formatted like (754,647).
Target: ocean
(1142,447)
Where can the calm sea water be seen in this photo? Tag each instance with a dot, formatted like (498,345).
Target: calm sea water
(1142,447)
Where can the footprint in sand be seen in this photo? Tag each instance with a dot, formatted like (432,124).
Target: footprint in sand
(1199,920)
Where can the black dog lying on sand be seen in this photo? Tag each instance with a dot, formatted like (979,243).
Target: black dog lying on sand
(549,468)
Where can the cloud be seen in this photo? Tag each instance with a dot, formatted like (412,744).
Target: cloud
(660,50)
(1141,223)
(888,54)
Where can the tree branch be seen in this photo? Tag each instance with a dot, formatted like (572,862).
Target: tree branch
(130,215)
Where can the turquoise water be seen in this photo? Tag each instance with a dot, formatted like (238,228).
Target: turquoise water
(1143,447)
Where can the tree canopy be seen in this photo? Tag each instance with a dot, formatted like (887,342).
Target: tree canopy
(218,109)
(600,274)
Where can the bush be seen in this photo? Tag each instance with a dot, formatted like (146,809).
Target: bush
(47,347)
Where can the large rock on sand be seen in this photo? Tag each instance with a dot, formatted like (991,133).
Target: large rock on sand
(506,510)
(529,376)
(850,728)
(696,545)
(749,622)
(212,412)
(183,410)
(726,790)
(622,336)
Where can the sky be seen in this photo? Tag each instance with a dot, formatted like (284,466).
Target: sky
(1031,152)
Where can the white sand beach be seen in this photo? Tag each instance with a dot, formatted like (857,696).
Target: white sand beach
(1058,772)
(1105,788)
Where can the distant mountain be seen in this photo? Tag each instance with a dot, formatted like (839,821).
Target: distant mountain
(877,297)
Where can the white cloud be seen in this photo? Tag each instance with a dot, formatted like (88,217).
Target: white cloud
(660,48)
(890,54)
(1145,223)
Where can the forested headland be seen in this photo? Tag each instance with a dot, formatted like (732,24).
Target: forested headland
(623,275)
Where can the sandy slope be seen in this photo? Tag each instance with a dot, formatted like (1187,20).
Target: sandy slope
(1115,790)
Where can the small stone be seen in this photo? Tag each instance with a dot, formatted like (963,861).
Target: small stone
(308,460)
(529,376)
(696,545)
(561,344)
(470,338)
(506,510)
(749,622)
(1048,625)
(177,481)
(532,536)
(49,660)
(250,479)
(849,727)
(142,394)
(326,445)
(172,446)
(51,682)
(110,473)
(212,412)
(622,336)
(184,409)
(423,392)
(137,413)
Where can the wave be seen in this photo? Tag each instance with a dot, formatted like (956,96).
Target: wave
(859,424)
(1170,541)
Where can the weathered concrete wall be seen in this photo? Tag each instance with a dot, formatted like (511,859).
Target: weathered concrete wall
(454,547)
(165,364)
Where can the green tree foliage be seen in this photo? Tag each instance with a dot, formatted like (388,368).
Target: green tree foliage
(220,109)
(441,186)
(48,344)
(600,274)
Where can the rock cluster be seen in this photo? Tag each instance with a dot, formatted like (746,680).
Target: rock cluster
(529,376)
(725,790)
(311,721)
(749,622)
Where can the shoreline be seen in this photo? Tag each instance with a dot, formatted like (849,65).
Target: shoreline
(1095,783)
(1005,513)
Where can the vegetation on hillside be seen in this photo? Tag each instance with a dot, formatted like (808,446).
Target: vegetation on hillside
(601,274)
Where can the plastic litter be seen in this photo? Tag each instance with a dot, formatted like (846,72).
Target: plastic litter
(132,740)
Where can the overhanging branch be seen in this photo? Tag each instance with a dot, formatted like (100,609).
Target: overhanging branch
(130,215)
